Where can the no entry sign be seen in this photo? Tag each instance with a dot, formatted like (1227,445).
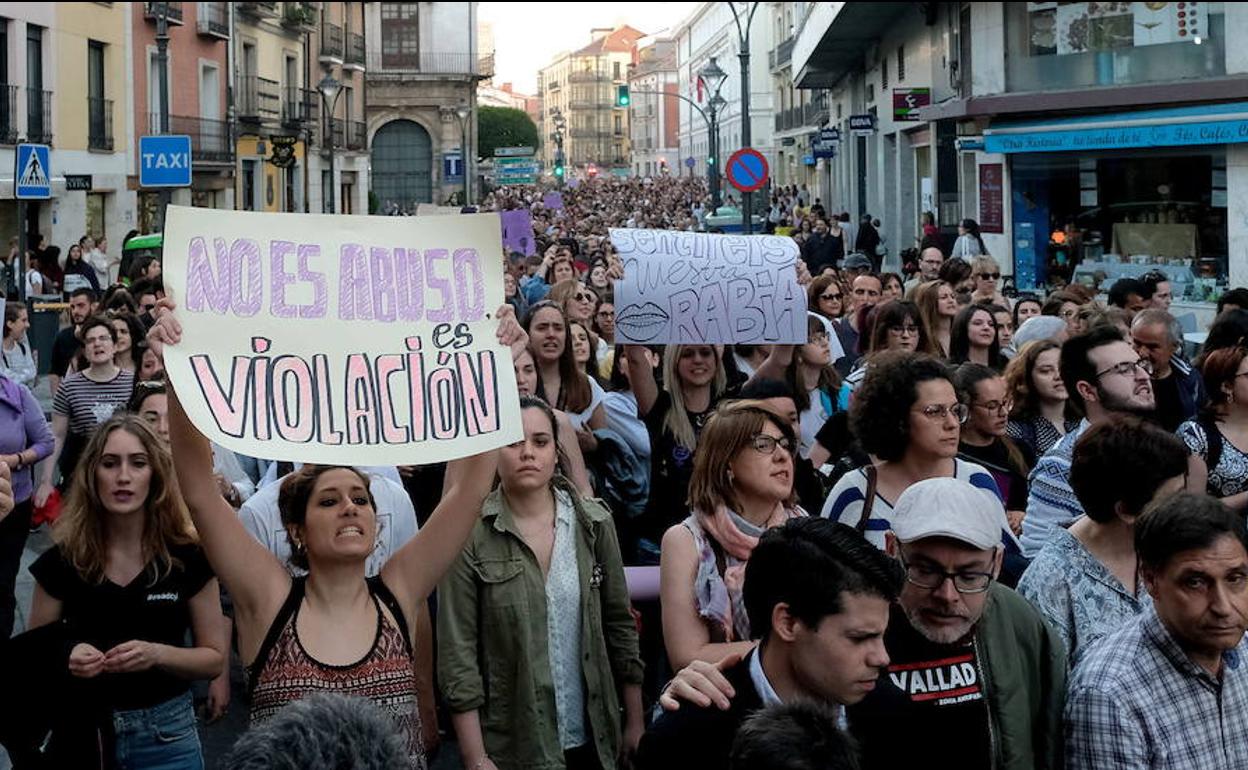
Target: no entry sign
(747,170)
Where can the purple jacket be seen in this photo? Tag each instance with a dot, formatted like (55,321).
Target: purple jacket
(22,427)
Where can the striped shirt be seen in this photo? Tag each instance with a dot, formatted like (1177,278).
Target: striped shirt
(88,403)
(846,500)
(1136,700)
(1051,502)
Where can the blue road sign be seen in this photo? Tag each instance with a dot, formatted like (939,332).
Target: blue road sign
(690,163)
(747,170)
(164,161)
(32,173)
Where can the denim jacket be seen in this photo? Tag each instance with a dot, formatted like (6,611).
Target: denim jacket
(492,638)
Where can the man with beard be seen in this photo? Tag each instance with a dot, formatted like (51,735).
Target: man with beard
(82,305)
(975,678)
(1106,377)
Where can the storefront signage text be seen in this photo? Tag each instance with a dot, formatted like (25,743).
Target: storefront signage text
(1173,134)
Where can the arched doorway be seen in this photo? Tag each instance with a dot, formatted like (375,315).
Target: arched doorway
(402,170)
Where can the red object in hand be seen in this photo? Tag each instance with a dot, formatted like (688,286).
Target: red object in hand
(49,512)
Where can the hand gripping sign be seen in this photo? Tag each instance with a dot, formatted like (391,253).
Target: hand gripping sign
(346,340)
(697,288)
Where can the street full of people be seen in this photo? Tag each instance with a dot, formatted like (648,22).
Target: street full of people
(957,527)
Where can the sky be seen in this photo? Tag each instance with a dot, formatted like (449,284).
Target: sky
(528,35)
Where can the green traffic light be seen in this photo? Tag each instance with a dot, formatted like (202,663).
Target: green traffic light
(621,96)
(710,161)
(558,170)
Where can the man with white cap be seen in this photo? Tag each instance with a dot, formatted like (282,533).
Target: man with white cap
(974,672)
(975,679)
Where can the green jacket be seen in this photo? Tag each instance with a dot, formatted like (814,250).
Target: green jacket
(492,638)
(1025,681)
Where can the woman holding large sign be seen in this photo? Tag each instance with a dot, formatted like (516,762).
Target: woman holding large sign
(333,629)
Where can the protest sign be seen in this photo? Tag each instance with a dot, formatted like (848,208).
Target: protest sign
(553,200)
(434,210)
(343,340)
(694,288)
(518,231)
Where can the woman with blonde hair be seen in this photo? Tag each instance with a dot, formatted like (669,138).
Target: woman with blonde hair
(129,580)
(987,274)
(694,380)
(742,485)
(938,305)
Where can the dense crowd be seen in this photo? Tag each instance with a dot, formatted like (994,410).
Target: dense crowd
(958,526)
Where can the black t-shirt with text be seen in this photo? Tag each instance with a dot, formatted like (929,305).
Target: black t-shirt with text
(64,348)
(105,615)
(671,468)
(929,704)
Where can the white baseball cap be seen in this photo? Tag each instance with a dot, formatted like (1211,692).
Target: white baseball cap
(952,508)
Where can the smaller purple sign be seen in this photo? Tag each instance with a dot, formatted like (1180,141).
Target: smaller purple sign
(553,200)
(518,231)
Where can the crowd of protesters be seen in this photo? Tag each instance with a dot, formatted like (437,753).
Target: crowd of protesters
(955,526)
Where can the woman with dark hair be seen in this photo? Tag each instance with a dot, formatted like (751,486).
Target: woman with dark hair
(128,352)
(1005,329)
(129,578)
(537,649)
(1218,437)
(561,382)
(808,371)
(958,274)
(573,460)
(938,305)
(17,359)
(907,415)
(78,272)
(742,485)
(892,286)
(1085,581)
(969,243)
(1026,306)
(333,629)
(983,438)
(1229,330)
(85,399)
(1042,413)
(974,338)
(826,297)
(584,343)
(896,326)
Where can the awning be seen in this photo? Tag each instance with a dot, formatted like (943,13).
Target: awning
(1176,127)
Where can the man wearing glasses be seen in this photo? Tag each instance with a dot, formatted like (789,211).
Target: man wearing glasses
(930,260)
(974,672)
(1106,377)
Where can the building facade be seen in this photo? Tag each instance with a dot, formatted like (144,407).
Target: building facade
(799,113)
(581,86)
(338,42)
(198,100)
(654,109)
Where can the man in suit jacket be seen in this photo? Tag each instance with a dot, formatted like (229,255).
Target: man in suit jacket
(818,594)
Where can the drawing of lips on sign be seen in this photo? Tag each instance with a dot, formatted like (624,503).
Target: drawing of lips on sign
(642,322)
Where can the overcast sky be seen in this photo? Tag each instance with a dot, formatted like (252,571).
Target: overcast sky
(528,35)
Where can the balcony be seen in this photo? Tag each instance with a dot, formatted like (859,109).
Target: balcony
(298,106)
(399,66)
(213,20)
(779,57)
(587,77)
(38,116)
(99,123)
(173,12)
(8,114)
(257,99)
(299,16)
(258,10)
(212,141)
(355,50)
(338,126)
(331,44)
(357,135)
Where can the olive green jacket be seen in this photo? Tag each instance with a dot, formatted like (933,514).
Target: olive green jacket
(492,638)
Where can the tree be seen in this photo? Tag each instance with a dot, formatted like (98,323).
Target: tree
(503,127)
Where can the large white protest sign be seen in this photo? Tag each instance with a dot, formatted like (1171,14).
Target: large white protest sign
(333,339)
(688,288)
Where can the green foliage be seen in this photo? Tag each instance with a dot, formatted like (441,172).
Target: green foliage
(503,127)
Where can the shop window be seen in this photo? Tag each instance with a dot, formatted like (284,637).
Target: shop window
(1074,45)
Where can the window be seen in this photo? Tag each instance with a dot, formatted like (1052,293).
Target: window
(400,35)
(249,185)
(99,110)
(901,63)
(327,189)
(96,206)
(95,69)
(4,50)
(883,73)
(38,109)
(615,70)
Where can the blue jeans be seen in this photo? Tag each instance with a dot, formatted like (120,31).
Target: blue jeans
(162,737)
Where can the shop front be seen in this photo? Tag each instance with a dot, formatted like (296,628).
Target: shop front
(1095,198)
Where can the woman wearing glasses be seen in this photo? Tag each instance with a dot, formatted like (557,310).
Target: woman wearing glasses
(908,417)
(742,486)
(987,274)
(983,439)
(826,297)
(895,326)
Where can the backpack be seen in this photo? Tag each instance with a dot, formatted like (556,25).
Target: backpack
(619,478)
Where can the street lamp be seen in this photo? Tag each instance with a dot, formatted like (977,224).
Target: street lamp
(713,76)
(463,112)
(743,42)
(330,90)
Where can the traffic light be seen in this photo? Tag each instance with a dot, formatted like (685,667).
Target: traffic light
(559,169)
(710,160)
(621,96)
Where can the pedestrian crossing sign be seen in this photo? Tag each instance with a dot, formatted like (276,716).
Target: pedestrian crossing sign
(32,173)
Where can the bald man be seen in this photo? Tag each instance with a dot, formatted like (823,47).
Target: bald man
(930,260)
